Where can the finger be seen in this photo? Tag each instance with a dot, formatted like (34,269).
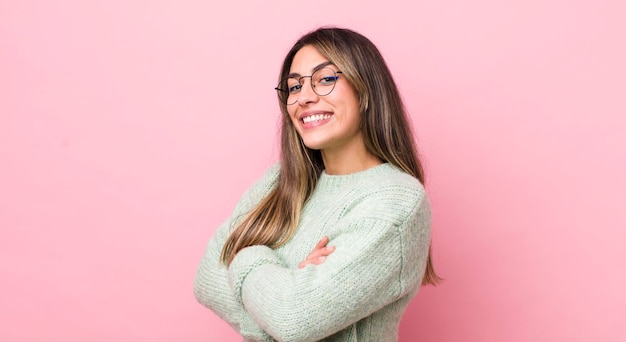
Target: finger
(324,251)
(320,250)
(321,253)
(313,261)
(318,261)
(322,243)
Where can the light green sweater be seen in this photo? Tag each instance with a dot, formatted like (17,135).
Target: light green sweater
(379,222)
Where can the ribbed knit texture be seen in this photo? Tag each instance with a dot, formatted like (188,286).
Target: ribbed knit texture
(379,222)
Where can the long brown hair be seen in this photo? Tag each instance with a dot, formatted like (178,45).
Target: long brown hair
(384,124)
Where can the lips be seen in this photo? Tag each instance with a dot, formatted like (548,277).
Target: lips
(314,117)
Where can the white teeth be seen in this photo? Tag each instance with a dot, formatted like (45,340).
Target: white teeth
(316,117)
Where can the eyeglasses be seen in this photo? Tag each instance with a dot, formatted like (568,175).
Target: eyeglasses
(322,81)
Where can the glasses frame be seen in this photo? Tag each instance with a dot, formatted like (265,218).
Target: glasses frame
(310,77)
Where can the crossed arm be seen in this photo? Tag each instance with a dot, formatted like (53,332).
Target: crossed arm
(368,270)
(376,259)
(211,287)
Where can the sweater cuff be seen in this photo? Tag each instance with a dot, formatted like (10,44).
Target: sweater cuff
(245,261)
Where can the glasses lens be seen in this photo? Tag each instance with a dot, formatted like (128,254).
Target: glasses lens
(324,81)
(288,90)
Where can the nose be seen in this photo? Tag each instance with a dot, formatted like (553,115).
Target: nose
(307,94)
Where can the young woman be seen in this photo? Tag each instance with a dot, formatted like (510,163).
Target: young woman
(332,243)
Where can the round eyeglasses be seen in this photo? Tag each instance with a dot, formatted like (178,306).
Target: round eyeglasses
(322,81)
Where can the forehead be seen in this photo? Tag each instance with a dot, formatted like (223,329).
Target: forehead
(305,60)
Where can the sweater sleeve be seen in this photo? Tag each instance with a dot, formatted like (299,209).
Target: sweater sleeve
(211,287)
(380,257)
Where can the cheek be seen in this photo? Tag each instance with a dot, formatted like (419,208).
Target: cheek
(353,108)
(291,111)
(292,118)
(347,96)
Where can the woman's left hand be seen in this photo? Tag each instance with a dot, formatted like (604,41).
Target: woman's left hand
(318,254)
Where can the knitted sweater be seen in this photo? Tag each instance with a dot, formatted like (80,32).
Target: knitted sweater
(379,222)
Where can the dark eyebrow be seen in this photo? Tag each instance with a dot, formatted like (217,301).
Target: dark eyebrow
(318,67)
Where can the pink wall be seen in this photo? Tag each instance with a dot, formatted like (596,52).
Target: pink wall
(128,129)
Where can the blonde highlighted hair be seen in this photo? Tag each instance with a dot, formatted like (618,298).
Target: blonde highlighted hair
(385,127)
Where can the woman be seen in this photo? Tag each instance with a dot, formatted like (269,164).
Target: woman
(331,243)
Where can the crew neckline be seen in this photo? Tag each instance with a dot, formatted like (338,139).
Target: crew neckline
(336,181)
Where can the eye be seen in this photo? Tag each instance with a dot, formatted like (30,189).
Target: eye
(325,77)
(292,85)
(294,88)
(328,80)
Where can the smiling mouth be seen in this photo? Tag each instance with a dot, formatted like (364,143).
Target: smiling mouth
(315,118)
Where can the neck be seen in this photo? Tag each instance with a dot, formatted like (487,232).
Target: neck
(346,161)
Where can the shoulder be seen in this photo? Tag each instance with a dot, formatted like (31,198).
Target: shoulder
(391,194)
(390,176)
(391,184)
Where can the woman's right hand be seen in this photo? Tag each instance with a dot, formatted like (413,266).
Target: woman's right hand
(318,254)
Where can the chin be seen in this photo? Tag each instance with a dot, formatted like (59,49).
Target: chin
(313,146)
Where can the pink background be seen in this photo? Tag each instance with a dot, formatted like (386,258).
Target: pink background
(128,130)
